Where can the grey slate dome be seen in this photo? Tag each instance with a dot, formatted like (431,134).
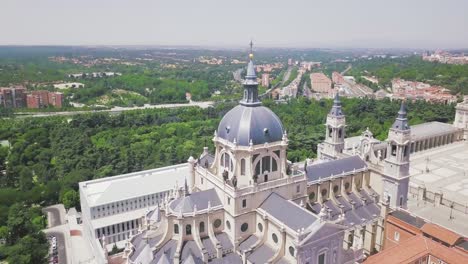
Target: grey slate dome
(250,121)
(244,123)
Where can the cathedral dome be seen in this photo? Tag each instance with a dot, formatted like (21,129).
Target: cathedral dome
(245,123)
(250,121)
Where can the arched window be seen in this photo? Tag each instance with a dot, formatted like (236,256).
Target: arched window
(202,227)
(228,225)
(274,165)
(266,164)
(176,229)
(340,132)
(226,162)
(330,131)
(260,227)
(242,166)
(266,161)
(188,229)
(291,251)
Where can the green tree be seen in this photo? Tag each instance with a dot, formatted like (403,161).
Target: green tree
(71,199)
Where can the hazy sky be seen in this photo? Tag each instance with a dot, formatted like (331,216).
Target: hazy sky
(278,23)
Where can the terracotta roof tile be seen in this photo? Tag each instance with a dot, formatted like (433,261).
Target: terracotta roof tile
(441,233)
(415,248)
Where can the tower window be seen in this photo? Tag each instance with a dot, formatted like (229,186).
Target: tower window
(242,166)
(176,229)
(244,203)
(393,150)
(202,227)
(188,229)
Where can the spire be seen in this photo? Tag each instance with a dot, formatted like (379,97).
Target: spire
(336,108)
(250,83)
(186,188)
(401,122)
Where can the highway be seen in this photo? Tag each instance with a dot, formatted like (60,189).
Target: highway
(115,110)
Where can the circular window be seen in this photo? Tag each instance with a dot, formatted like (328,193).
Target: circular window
(260,227)
(291,251)
(228,225)
(324,192)
(346,185)
(274,237)
(217,223)
(335,188)
(244,227)
(312,196)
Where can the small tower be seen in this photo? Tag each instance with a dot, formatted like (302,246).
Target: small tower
(335,132)
(396,167)
(461,117)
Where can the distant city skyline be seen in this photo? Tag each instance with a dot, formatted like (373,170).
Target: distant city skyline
(429,24)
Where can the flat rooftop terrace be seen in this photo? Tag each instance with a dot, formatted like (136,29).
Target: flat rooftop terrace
(443,169)
(126,186)
(440,215)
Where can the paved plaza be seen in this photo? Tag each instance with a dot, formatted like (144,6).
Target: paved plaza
(443,169)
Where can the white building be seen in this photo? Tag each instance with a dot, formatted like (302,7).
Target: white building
(112,207)
(246,203)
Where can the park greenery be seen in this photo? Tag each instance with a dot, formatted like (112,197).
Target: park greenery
(453,77)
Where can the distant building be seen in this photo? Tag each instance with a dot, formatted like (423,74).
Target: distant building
(62,86)
(40,99)
(411,90)
(290,62)
(14,97)
(265,80)
(55,99)
(320,82)
(461,117)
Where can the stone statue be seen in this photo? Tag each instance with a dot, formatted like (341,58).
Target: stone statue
(234,181)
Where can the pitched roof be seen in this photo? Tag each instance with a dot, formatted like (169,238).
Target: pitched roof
(431,129)
(415,248)
(282,209)
(187,204)
(334,168)
(441,233)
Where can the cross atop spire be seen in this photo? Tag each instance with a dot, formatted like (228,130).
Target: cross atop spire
(250,83)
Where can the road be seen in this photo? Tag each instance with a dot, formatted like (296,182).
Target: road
(346,70)
(55,215)
(286,75)
(115,110)
(62,253)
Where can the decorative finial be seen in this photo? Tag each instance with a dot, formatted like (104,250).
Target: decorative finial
(251,50)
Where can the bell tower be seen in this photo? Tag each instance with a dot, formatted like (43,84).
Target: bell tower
(335,132)
(396,167)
